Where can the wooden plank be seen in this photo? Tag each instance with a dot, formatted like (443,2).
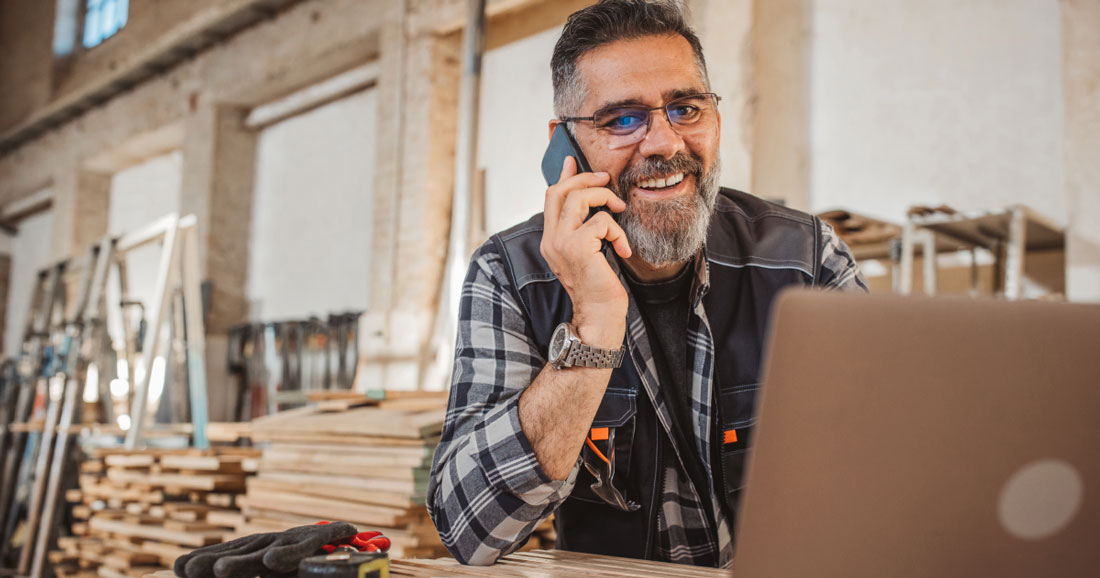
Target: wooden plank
(317,454)
(377,448)
(186,481)
(182,526)
(360,495)
(452,568)
(368,421)
(222,464)
(196,539)
(350,457)
(334,405)
(349,468)
(412,404)
(130,460)
(325,509)
(274,435)
(394,394)
(228,431)
(125,559)
(166,553)
(350,483)
(225,518)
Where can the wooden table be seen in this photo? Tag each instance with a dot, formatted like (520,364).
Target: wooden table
(542,564)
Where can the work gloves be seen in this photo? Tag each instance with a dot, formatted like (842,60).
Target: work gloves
(269,555)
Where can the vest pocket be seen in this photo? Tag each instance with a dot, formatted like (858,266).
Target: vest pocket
(737,415)
(606,452)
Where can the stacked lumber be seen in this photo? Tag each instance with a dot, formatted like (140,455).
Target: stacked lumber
(136,511)
(354,459)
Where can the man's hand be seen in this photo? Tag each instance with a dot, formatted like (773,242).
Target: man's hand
(571,245)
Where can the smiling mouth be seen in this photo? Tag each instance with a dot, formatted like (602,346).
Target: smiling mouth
(661,183)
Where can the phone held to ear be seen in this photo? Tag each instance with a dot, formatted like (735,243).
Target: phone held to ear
(562,145)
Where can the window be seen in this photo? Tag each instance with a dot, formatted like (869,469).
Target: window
(102,19)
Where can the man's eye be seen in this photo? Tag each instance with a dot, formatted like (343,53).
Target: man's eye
(684,112)
(620,121)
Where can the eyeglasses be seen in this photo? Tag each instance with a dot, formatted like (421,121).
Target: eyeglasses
(623,126)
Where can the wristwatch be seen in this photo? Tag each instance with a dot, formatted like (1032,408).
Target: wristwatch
(566,350)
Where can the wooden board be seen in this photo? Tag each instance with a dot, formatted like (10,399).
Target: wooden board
(361,494)
(553,564)
(130,460)
(369,421)
(350,483)
(334,509)
(228,431)
(348,467)
(170,480)
(166,553)
(274,435)
(220,464)
(196,539)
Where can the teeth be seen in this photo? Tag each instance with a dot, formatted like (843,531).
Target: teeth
(662,183)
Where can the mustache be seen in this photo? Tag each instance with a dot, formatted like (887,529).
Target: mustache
(653,167)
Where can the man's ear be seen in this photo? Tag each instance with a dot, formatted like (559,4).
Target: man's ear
(553,125)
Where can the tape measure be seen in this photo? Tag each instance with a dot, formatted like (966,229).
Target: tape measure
(346,565)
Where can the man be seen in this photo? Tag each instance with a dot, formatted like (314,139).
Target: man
(640,455)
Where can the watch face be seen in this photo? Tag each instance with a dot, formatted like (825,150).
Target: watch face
(557,343)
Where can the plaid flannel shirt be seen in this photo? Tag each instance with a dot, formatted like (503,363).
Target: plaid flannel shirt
(487,492)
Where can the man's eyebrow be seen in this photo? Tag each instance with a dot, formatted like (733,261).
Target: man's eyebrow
(669,95)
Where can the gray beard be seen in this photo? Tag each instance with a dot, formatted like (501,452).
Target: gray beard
(663,233)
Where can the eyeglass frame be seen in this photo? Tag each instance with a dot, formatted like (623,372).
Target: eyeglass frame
(649,110)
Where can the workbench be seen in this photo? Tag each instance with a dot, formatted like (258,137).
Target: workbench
(541,564)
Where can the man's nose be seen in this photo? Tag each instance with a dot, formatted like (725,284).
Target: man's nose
(660,140)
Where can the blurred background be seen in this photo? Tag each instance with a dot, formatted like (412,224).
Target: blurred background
(316,143)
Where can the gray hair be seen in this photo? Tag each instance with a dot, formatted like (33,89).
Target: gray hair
(606,22)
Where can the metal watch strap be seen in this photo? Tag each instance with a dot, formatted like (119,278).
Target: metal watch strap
(588,356)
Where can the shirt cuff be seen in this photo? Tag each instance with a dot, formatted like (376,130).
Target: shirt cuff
(508,460)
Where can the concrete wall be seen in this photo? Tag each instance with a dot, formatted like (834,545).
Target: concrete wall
(943,101)
(30,252)
(26,58)
(1081,78)
(310,231)
(517,101)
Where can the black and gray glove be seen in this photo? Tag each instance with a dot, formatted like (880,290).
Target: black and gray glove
(265,555)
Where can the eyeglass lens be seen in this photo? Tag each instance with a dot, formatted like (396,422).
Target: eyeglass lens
(627,125)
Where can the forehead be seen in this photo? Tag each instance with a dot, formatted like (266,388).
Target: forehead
(641,70)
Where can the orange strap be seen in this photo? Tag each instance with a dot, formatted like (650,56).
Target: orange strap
(599,434)
(597,450)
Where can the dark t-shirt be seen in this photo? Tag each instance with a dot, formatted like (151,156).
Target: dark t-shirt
(665,307)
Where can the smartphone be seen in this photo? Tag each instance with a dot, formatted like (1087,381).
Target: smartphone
(561,145)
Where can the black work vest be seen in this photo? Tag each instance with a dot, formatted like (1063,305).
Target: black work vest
(753,250)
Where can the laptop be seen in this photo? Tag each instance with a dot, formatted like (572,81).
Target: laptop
(904,437)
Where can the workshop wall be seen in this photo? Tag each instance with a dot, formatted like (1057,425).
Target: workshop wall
(313,187)
(938,102)
(30,249)
(26,60)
